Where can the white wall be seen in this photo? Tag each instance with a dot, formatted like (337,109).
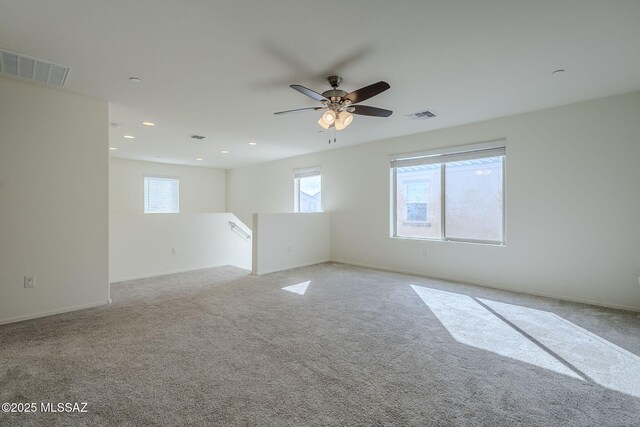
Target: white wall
(285,241)
(53,200)
(201,189)
(573,203)
(142,245)
(152,245)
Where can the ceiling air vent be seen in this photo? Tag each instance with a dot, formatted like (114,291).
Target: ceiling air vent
(421,115)
(197,137)
(26,67)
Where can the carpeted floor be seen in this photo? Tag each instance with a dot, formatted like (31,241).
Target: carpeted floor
(359,347)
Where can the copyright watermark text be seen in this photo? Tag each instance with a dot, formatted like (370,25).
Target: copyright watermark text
(46,407)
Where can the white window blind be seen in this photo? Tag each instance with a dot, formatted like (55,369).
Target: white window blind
(161,194)
(456,154)
(306,173)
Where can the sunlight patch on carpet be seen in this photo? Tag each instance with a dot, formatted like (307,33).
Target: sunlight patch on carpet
(299,289)
(537,337)
(600,360)
(471,324)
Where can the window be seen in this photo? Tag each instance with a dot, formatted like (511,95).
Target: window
(307,190)
(454,194)
(161,194)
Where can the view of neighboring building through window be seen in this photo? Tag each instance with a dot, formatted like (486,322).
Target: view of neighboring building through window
(161,194)
(308,190)
(474,199)
(450,196)
(418,201)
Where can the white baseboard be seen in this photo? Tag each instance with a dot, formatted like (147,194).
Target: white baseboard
(51,312)
(161,273)
(491,286)
(291,267)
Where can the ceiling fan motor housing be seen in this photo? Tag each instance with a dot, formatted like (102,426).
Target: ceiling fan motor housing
(334,95)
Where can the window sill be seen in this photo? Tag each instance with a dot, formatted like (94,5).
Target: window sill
(161,213)
(465,242)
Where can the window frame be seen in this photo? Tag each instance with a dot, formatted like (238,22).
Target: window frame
(305,173)
(145,198)
(442,154)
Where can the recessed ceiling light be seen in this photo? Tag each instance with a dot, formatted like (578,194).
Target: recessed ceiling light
(113,148)
(134,79)
(129,136)
(148,123)
(253,143)
(225,151)
(198,158)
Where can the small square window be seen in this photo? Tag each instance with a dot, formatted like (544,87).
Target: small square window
(161,194)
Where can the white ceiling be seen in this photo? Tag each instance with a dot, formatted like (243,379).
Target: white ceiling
(221,68)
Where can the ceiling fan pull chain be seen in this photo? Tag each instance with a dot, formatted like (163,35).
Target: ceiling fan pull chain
(332,133)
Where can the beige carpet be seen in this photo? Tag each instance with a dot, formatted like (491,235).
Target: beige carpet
(360,347)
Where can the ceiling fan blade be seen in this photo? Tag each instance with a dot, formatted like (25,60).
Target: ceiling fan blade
(337,67)
(299,110)
(365,110)
(367,92)
(306,91)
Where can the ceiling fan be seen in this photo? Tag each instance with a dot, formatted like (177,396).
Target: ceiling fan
(339,106)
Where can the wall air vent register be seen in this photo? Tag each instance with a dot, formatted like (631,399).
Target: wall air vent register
(29,68)
(421,115)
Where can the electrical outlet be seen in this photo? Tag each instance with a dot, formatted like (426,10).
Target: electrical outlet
(30,281)
(174,251)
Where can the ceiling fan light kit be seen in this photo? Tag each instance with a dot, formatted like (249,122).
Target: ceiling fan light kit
(344,119)
(322,123)
(329,117)
(339,105)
